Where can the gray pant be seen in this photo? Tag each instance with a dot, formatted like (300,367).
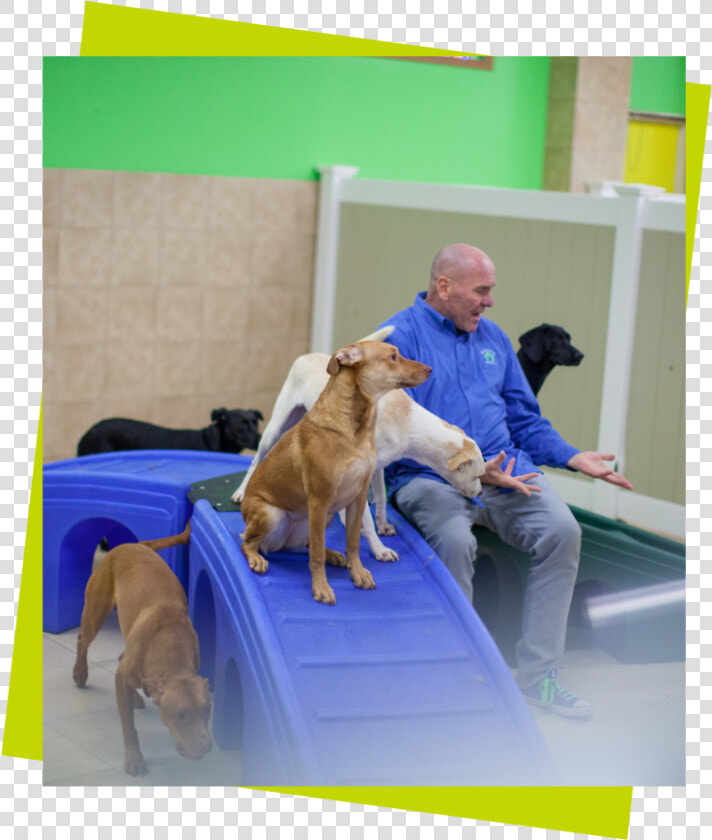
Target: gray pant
(540,525)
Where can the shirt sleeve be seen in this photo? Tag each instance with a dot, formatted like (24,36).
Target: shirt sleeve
(530,431)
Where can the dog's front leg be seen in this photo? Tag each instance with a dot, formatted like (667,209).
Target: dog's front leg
(354,517)
(379,551)
(317,553)
(378,485)
(134,764)
(368,529)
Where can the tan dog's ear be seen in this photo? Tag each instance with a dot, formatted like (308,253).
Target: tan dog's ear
(462,457)
(153,688)
(348,356)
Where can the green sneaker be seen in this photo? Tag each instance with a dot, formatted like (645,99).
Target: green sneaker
(548,694)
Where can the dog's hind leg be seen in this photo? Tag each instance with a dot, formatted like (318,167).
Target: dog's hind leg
(259,524)
(98,603)
(336,558)
(254,559)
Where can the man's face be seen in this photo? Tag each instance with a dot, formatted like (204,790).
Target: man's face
(467,299)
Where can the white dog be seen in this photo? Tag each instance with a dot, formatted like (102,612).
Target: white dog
(404,429)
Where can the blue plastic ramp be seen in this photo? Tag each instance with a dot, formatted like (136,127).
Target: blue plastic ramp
(401,685)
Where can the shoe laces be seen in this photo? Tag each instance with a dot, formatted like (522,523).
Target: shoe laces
(549,688)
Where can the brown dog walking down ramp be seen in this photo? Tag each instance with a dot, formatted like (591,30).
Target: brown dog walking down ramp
(162,654)
(324,464)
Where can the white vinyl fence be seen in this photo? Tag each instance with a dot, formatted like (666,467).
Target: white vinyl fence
(631,211)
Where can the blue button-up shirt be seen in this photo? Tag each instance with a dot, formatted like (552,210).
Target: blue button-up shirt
(477,384)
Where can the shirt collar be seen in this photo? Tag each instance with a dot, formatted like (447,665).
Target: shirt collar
(432,316)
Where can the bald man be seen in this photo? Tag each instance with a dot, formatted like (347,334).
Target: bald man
(478,384)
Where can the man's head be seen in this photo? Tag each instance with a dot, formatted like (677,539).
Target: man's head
(461,282)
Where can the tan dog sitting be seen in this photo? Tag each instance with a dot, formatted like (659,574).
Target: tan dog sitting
(325,464)
(161,656)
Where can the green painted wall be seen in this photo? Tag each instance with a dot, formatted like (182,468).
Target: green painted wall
(281,117)
(658,84)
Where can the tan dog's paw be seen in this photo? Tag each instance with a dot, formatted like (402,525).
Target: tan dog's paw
(363,579)
(324,594)
(387,530)
(386,555)
(80,674)
(336,558)
(134,764)
(258,564)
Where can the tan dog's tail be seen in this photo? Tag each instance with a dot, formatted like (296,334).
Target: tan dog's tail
(379,335)
(168,542)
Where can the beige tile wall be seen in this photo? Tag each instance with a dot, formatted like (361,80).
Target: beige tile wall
(601,121)
(166,296)
(587,129)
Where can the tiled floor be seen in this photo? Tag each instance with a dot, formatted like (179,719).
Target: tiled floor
(636,735)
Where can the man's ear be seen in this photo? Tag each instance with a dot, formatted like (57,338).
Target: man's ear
(348,356)
(444,286)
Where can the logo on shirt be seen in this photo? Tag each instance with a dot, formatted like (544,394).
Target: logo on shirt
(489,357)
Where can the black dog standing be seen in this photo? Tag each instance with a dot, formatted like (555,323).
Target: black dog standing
(542,349)
(231,431)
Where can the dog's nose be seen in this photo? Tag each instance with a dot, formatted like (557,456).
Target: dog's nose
(428,369)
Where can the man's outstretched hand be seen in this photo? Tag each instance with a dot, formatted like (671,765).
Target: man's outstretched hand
(593,464)
(494,474)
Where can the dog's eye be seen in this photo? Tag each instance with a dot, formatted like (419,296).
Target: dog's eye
(393,357)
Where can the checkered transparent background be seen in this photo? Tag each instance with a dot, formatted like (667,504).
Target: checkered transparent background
(41,28)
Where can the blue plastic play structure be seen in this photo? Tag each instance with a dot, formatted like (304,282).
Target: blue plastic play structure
(401,685)
(123,496)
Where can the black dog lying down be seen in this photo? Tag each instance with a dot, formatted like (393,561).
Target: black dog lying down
(542,349)
(232,431)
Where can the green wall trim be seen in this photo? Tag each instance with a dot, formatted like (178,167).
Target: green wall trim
(267,117)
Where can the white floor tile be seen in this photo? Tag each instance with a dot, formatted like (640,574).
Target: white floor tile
(62,758)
